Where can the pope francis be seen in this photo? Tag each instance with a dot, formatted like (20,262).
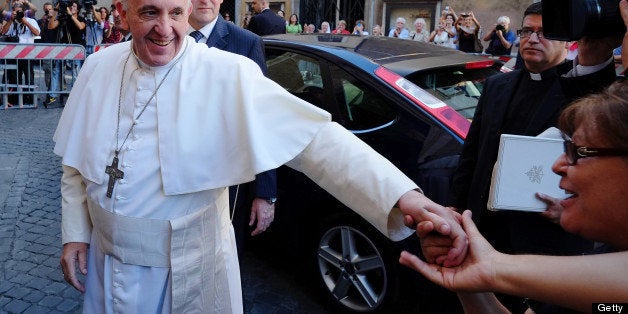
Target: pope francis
(152,134)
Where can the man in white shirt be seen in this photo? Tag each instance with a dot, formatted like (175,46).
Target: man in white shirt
(25,29)
(147,155)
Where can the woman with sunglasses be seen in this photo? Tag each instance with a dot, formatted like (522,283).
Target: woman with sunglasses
(594,172)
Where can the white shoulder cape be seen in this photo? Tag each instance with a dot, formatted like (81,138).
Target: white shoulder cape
(220,120)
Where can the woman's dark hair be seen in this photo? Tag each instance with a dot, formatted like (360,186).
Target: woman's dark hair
(604,115)
(290,19)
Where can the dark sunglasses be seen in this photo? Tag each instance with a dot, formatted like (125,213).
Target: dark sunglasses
(574,152)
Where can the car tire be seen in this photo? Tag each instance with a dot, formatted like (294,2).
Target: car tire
(356,266)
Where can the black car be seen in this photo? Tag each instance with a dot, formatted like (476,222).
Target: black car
(412,102)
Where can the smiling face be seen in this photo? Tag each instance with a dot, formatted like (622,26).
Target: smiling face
(449,19)
(158,27)
(377,30)
(596,209)
(540,54)
(204,12)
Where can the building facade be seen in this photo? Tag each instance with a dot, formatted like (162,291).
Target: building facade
(381,12)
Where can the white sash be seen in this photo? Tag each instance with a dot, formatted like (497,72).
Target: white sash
(189,245)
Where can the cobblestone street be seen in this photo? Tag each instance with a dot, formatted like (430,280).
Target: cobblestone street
(30,277)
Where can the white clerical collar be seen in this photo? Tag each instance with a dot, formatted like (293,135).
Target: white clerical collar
(536,76)
(205,30)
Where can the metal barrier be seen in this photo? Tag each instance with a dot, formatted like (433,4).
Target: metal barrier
(32,70)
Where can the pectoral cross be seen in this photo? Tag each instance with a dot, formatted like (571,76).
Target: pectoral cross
(114,174)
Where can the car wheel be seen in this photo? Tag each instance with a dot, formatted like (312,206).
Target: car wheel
(354,269)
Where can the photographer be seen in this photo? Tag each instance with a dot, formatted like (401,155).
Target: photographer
(112,33)
(24,30)
(47,36)
(501,38)
(95,27)
(400,31)
(468,29)
(70,29)
(358,29)
(28,7)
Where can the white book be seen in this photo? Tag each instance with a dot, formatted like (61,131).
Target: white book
(524,167)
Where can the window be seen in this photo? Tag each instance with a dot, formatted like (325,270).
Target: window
(298,74)
(458,88)
(361,107)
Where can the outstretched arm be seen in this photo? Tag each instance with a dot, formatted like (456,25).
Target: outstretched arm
(369,184)
(552,279)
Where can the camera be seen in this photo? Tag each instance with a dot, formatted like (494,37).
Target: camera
(500,27)
(568,20)
(89,5)
(19,15)
(62,11)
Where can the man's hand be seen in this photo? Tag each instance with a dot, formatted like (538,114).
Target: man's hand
(431,217)
(264,213)
(74,254)
(475,274)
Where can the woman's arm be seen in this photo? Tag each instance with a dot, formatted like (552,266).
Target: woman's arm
(571,281)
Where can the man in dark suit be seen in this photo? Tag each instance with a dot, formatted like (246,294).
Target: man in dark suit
(526,101)
(265,21)
(213,30)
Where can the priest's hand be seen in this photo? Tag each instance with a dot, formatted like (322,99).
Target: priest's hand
(264,213)
(475,274)
(430,217)
(74,254)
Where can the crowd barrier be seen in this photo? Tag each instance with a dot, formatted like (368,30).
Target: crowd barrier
(30,71)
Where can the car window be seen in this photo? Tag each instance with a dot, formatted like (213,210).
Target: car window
(298,74)
(458,88)
(361,108)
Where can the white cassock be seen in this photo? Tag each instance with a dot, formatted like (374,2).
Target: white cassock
(163,242)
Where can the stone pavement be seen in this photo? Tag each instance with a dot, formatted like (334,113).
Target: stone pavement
(31,280)
(30,277)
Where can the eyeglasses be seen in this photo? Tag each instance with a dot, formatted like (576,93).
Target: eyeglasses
(574,152)
(526,33)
